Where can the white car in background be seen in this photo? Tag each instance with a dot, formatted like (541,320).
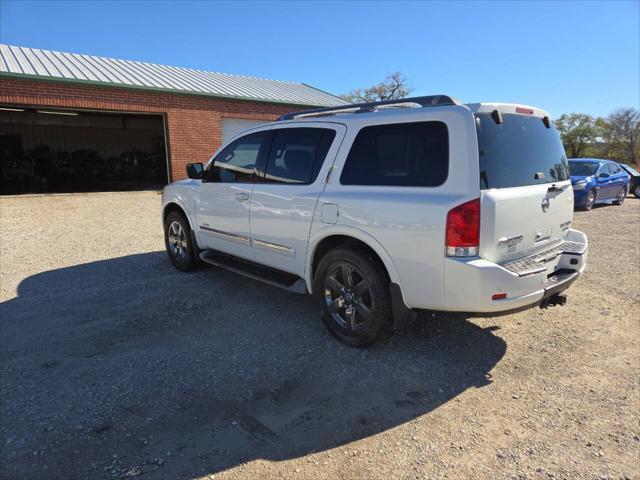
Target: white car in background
(384,209)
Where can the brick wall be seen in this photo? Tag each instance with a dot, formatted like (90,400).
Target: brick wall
(193,122)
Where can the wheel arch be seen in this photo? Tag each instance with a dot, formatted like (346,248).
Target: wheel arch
(174,205)
(327,240)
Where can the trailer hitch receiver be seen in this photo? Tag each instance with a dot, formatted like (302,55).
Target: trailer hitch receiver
(556,299)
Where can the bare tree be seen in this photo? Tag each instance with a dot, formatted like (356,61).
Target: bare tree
(625,125)
(394,86)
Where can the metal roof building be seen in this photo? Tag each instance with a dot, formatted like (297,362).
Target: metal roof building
(66,103)
(34,63)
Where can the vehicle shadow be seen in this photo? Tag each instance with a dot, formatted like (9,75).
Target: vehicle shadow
(125,366)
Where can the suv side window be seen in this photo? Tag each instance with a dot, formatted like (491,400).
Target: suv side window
(400,154)
(297,154)
(236,163)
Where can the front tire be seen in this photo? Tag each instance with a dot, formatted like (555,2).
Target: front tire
(353,293)
(621,196)
(636,191)
(179,242)
(589,201)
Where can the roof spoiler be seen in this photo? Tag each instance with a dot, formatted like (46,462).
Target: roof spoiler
(426,101)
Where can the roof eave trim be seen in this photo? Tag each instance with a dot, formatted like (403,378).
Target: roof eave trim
(95,83)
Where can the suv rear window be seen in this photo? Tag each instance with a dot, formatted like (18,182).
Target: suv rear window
(520,151)
(399,154)
(297,154)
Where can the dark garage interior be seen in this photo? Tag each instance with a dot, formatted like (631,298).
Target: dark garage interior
(44,150)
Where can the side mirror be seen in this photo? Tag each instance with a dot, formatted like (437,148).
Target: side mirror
(195,170)
(603,175)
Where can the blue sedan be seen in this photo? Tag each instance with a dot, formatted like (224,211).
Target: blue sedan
(597,181)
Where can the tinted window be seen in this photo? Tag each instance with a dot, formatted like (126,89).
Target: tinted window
(583,168)
(297,154)
(519,151)
(614,168)
(236,163)
(401,154)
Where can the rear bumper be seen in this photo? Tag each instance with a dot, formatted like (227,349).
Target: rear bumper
(470,284)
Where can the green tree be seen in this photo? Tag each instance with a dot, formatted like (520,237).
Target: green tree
(393,87)
(578,132)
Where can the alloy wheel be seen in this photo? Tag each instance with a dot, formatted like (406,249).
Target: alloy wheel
(348,297)
(177,241)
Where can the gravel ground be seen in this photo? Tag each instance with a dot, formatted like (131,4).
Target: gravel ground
(114,365)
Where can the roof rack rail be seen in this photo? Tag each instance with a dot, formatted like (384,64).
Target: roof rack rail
(426,101)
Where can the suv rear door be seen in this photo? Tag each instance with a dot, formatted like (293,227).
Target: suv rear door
(526,195)
(292,177)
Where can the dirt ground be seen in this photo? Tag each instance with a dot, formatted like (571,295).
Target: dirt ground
(115,365)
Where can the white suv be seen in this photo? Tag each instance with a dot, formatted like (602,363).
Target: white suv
(387,208)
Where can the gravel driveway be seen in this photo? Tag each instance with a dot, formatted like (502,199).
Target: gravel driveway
(115,365)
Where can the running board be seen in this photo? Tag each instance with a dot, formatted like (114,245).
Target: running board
(271,276)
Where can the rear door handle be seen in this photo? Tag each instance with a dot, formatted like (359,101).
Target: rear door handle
(242,196)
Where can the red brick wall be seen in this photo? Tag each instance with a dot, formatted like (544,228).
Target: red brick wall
(193,122)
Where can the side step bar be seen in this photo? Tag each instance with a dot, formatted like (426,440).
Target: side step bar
(271,276)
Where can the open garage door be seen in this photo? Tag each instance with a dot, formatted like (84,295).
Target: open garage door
(48,150)
(233,126)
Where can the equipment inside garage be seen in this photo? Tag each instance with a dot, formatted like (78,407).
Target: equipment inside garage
(49,150)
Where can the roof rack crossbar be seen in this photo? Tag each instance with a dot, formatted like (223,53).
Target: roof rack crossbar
(425,101)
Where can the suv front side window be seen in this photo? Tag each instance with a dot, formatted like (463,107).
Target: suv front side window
(237,162)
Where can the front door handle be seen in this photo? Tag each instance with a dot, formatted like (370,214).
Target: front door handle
(242,196)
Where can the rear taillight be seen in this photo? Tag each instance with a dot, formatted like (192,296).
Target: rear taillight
(463,230)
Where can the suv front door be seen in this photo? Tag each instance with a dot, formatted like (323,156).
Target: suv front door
(223,209)
(284,199)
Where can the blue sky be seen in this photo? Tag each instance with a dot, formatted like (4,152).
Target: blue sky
(564,56)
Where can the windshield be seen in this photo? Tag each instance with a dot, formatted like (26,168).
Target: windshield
(583,168)
(520,151)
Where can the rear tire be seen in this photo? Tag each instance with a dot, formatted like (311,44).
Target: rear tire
(589,201)
(621,196)
(179,242)
(353,293)
(636,191)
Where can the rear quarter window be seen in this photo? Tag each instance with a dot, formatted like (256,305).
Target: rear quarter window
(401,154)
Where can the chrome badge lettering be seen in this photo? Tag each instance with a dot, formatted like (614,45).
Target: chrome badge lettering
(510,242)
